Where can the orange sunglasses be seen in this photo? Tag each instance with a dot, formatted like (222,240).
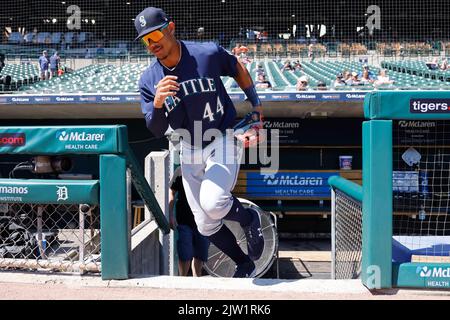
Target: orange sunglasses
(154,36)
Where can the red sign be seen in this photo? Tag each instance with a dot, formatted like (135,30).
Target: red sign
(12,139)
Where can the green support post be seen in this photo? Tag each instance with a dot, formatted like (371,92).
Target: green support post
(376,270)
(113,217)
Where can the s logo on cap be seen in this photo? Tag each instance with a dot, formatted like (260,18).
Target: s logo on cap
(142,21)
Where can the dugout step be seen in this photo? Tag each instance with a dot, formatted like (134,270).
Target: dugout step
(302,259)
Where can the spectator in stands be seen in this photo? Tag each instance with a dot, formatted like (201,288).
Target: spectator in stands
(444,64)
(339,82)
(6,80)
(321,85)
(2,61)
(192,247)
(264,36)
(383,78)
(244,59)
(311,52)
(288,66)
(54,64)
(251,35)
(402,51)
(243,49)
(433,65)
(370,73)
(61,71)
(302,83)
(347,76)
(297,65)
(353,81)
(366,79)
(259,69)
(240,52)
(43,64)
(262,82)
(236,50)
(277,59)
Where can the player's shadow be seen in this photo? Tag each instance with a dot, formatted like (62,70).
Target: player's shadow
(268,282)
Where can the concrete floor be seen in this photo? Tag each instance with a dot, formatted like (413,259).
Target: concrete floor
(33,286)
(301,259)
(304,267)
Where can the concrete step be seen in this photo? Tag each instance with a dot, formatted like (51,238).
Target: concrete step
(302,258)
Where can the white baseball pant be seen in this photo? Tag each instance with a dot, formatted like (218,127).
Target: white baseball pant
(209,175)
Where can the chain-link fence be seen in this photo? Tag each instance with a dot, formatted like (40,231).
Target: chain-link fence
(347,236)
(50,237)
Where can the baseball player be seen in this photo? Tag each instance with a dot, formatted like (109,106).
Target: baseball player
(182,89)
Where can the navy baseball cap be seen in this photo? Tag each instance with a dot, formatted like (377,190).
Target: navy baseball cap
(150,19)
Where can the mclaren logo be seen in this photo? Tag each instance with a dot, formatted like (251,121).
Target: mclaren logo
(281,125)
(355,96)
(424,272)
(417,124)
(282,180)
(20,99)
(305,96)
(65,99)
(437,272)
(63,136)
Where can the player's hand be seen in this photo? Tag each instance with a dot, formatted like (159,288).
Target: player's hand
(254,135)
(167,87)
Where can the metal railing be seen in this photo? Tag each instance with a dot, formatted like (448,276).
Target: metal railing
(346,229)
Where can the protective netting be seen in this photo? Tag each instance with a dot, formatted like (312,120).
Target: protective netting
(347,233)
(296,39)
(50,237)
(89,28)
(422,189)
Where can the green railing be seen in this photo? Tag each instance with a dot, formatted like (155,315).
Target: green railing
(385,112)
(352,189)
(115,157)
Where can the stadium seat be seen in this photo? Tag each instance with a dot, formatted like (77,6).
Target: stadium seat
(43,37)
(21,74)
(83,37)
(112,78)
(56,37)
(94,79)
(15,37)
(69,37)
(29,37)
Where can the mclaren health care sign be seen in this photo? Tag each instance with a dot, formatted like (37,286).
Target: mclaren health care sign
(289,184)
(63,140)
